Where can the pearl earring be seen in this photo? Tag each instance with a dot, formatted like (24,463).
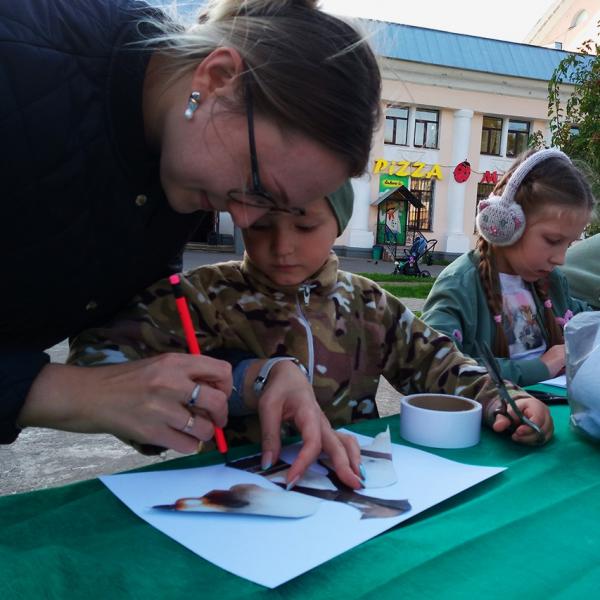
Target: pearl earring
(192,105)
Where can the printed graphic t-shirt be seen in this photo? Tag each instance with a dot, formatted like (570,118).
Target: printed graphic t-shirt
(524,335)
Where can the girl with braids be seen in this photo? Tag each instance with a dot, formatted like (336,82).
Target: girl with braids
(121,131)
(508,292)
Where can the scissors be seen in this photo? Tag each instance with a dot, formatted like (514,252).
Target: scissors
(494,371)
(547,398)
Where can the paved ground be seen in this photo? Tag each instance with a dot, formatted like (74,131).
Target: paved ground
(43,458)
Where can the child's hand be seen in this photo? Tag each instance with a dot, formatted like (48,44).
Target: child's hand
(535,410)
(554,359)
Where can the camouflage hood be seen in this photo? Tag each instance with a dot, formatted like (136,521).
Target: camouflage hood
(321,283)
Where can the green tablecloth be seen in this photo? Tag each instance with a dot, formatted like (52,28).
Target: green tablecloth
(530,532)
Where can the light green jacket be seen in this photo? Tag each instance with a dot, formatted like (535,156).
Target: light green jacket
(457,307)
(582,269)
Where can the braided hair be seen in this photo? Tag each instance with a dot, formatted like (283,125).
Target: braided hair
(552,182)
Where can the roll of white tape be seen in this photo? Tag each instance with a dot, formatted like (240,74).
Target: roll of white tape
(440,421)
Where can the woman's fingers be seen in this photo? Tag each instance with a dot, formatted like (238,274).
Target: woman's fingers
(185,443)
(210,402)
(344,454)
(148,401)
(288,396)
(352,449)
(216,373)
(308,423)
(270,415)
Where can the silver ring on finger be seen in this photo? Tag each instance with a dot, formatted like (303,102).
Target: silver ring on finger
(189,425)
(194,397)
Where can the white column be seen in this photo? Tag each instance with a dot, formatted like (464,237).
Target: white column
(504,136)
(359,235)
(412,115)
(457,241)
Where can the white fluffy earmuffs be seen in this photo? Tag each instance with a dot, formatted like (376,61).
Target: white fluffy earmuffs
(500,220)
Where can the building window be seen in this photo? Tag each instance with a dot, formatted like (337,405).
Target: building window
(518,136)
(491,134)
(426,128)
(420,218)
(483,191)
(396,126)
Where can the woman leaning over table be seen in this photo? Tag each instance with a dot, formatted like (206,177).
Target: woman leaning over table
(120,130)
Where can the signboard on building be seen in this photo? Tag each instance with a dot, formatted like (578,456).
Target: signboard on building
(405,168)
(391,212)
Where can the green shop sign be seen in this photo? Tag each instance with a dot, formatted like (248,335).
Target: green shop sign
(392,211)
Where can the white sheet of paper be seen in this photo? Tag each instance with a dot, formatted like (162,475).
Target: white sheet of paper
(560,381)
(269,550)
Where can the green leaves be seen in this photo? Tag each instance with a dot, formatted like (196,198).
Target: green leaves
(574,111)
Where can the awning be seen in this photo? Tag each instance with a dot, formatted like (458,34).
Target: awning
(399,193)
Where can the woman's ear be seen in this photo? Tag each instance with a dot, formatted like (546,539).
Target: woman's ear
(218,73)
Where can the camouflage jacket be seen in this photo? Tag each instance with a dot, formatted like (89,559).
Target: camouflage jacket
(344,328)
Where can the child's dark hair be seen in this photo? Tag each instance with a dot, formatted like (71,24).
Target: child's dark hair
(552,183)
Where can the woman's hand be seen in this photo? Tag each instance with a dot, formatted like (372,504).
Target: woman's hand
(554,359)
(289,396)
(143,401)
(535,410)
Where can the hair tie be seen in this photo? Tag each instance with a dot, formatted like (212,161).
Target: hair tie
(498,319)
(548,303)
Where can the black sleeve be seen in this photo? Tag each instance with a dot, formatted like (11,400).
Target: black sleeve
(17,372)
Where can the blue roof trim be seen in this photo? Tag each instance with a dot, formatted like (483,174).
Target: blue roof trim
(459,51)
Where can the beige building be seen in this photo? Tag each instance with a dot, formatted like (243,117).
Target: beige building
(448,98)
(567,24)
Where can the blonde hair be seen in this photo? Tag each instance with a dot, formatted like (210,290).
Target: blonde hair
(308,71)
(552,183)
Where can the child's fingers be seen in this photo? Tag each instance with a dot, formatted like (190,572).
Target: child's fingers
(501,423)
(538,413)
(524,434)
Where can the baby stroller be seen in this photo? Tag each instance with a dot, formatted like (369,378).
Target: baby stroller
(421,249)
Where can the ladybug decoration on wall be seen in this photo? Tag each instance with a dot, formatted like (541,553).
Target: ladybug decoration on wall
(462,171)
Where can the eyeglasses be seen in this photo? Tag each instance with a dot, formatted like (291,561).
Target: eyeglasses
(257,196)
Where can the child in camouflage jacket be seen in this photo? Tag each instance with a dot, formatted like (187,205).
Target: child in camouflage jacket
(288,298)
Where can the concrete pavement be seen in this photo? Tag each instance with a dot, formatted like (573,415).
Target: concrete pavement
(43,458)
(193,259)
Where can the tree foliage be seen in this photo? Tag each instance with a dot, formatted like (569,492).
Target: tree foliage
(575,118)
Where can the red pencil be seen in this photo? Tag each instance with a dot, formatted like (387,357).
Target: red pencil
(192,342)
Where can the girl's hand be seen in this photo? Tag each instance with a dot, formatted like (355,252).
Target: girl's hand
(536,411)
(554,359)
(144,401)
(289,396)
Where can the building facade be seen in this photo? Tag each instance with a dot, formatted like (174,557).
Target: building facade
(566,25)
(458,109)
